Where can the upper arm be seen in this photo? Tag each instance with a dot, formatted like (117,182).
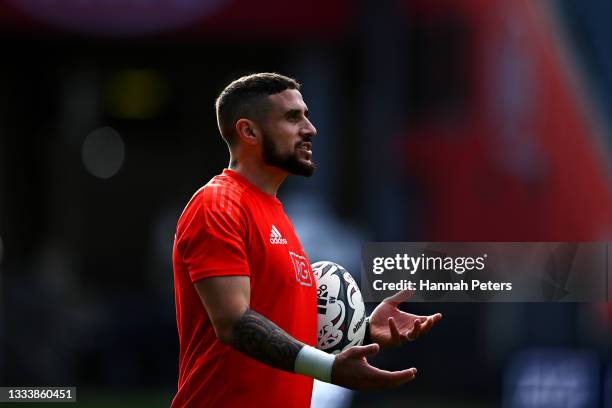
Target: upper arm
(225,299)
(210,242)
(210,238)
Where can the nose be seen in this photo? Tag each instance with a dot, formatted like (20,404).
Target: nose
(309,129)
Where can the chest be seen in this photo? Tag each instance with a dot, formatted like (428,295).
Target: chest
(276,256)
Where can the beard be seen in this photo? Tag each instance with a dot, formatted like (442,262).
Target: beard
(289,161)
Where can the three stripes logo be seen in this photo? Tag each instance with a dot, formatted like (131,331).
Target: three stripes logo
(276,238)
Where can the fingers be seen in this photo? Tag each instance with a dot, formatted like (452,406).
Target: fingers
(382,379)
(395,333)
(415,331)
(431,320)
(428,325)
(352,370)
(423,325)
(402,377)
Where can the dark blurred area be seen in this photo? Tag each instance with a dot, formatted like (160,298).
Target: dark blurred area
(441,121)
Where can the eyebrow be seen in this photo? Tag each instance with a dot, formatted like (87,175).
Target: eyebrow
(294,112)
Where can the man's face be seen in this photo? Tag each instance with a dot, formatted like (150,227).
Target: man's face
(287,134)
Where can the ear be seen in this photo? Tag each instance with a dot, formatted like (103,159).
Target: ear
(247,131)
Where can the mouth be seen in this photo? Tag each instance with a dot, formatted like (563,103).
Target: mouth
(306,147)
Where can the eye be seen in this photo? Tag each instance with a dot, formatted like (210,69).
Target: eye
(293,116)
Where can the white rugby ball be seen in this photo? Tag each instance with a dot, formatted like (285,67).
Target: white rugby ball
(340,308)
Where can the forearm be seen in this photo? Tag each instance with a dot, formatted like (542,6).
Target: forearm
(261,339)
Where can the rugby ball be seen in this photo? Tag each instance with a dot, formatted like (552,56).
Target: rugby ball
(340,308)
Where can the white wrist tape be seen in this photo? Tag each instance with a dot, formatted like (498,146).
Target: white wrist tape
(314,363)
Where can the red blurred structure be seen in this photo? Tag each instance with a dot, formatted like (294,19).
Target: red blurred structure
(228,19)
(516,156)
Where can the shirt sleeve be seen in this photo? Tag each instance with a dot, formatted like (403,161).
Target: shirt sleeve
(210,240)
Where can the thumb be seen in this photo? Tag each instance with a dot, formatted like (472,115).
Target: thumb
(399,297)
(364,351)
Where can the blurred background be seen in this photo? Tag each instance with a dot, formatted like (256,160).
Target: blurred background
(451,120)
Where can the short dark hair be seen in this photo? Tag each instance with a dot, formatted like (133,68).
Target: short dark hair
(246,98)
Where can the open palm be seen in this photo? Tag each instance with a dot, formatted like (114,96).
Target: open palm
(391,327)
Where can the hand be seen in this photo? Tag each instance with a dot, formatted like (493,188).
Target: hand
(352,370)
(390,327)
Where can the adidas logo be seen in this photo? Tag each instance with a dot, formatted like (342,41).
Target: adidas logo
(276,238)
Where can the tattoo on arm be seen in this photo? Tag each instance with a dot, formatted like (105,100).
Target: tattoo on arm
(259,338)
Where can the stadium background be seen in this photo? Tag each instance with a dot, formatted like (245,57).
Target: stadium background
(469,121)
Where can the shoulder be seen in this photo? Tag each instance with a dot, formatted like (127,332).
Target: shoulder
(217,202)
(222,193)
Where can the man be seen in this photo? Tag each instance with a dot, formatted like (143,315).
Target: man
(245,295)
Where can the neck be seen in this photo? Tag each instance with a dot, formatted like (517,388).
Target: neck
(267,178)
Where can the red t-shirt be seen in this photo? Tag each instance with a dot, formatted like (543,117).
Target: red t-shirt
(230,227)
